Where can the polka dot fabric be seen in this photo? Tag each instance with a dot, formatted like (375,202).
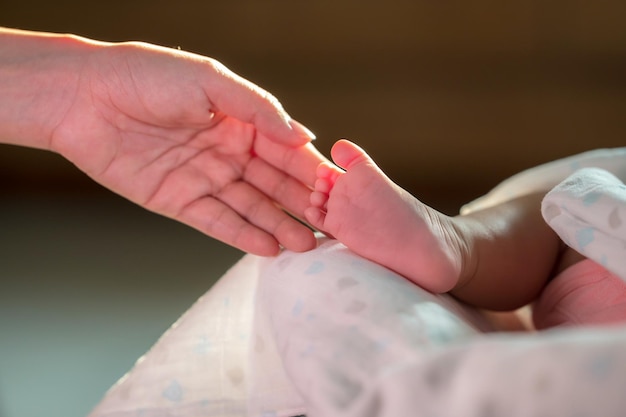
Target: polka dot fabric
(328,334)
(358,340)
(588,212)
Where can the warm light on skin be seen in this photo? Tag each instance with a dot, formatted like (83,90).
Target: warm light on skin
(175,132)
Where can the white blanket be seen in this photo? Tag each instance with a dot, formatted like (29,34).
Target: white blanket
(588,211)
(327,333)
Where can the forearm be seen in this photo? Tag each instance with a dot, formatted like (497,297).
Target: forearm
(512,252)
(38,77)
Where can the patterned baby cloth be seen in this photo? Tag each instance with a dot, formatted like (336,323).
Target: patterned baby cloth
(330,334)
(588,212)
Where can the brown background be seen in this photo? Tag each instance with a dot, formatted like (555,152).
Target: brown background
(450,97)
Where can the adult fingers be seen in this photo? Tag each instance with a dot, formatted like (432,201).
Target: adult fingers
(300,162)
(245,218)
(255,207)
(280,187)
(244,100)
(216,219)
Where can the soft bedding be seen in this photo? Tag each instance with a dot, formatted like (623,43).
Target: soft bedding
(327,333)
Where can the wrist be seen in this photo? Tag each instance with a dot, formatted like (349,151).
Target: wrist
(39,74)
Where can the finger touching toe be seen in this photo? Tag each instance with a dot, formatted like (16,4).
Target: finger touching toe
(328,172)
(315,216)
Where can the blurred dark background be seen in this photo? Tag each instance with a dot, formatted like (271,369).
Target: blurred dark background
(450,97)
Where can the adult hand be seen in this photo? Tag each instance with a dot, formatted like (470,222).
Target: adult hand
(175,132)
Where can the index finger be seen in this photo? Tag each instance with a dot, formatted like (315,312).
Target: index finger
(299,162)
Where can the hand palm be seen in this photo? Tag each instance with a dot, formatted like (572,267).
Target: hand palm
(159,139)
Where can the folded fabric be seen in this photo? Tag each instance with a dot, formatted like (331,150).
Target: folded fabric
(200,366)
(358,340)
(588,212)
(543,178)
(340,322)
(330,334)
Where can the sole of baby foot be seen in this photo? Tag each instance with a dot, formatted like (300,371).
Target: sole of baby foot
(380,221)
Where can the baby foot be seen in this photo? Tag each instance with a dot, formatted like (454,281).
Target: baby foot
(378,220)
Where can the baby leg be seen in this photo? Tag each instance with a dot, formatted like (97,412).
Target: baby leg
(583,294)
(378,220)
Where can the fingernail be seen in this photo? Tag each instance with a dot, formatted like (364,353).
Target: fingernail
(302,130)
